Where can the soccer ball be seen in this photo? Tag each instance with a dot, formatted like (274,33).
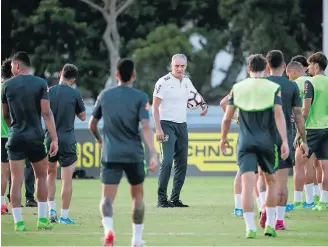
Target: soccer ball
(194,100)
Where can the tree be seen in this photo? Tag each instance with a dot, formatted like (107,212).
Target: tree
(111,37)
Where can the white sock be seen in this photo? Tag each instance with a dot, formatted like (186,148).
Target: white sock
(52,205)
(3,200)
(262,198)
(137,234)
(42,209)
(271,213)
(238,201)
(258,203)
(324,196)
(281,212)
(17,213)
(107,224)
(249,221)
(308,193)
(64,213)
(298,196)
(316,190)
(320,188)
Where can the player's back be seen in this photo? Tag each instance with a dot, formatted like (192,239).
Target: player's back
(65,104)
(121,115)
(255,98)
(290,97)
(23,94)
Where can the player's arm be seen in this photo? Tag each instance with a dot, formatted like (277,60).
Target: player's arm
(80,108)
(224,102)
(280,118)
(308,97)
(226,122)
(95,117)
(5,108)
(158,96)
(297,110)
(47,113)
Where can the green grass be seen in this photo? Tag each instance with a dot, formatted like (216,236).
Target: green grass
(208,222)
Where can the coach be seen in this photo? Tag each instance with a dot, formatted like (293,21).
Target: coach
(170,116)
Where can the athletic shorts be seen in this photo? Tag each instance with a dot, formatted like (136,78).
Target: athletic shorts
(4,154)
(266,158)
(111,173)
(34,151)
(318,142)
(289,162)
(66,155)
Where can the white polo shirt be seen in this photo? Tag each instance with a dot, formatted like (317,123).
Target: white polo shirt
(174,94)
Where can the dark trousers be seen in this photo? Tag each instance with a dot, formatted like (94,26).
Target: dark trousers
(29,181)
(175,148)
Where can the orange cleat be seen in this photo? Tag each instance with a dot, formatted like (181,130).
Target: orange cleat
(4,209)
(109,239)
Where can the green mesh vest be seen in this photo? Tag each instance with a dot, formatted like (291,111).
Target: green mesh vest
(4,127)
(300,83)
(318,115)
(254,94)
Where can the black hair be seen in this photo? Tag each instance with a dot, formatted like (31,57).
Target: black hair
(70,71)
(6,69)
(275,59)
(301,59)
(318,58)
(125,68)
(22,57)
(256,63)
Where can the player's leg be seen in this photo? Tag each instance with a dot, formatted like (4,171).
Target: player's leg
(111,175)
(248,166)
(29,185)
(282,180)
(318,180)
(268,161)
(320,147)
(17,158)
(237,194)
(309,183)
(4,175)
(180,164)
(135,174)
(68,167)
(261,187)
(51,182)
(167,151)
(257,193)
(299,178)
(38,157)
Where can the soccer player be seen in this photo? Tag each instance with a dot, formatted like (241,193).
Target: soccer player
(26,98)
(315,112)
(302,60)
(65,103)
(122,109)
(5,75)
(170,100)
(303,169)
(291,103)
(259,104)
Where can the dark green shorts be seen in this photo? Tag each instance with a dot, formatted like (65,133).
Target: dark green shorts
(318,142)
(18,149)
(249,159)
(111,173)
(65,156)
(290,161)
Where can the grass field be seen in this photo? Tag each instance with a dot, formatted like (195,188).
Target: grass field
(208,222)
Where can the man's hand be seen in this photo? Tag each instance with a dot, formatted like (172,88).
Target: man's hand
(53,149)
(304,149)
(223,144)
(284,151)
(204,109)
(153,163)
(159,135)
(296,142)
(100,142)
